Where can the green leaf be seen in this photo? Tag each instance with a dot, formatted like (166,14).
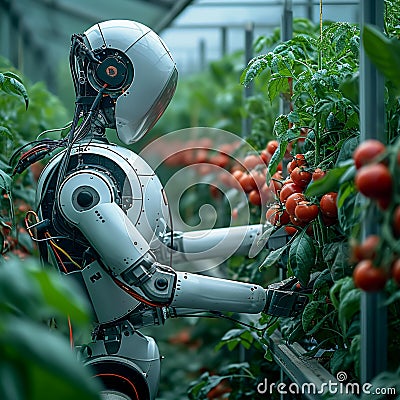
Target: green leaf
(323,279)
(336,256)
(349,305)
(273,257)
(254,68)
(276,86)
(329,183)
(13,86)
(5,132)
(340,361)
(309,314)
(48,351)
(383,52)
(302,257)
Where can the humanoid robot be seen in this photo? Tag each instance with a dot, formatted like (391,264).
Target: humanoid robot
(102,214)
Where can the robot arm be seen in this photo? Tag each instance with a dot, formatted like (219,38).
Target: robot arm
(214,243)
(125,254)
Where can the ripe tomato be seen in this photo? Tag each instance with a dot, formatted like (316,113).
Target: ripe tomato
(290,230)
(305,211)
(252,160)
(291,166)
(396,271)
(367,249)
(396,221)
(300,160)
(292,201)
(276,215)
(301,177)
(368,277)
(295,221)
(374,181)
(367,151)
(266,156)
(201,156)
(259,178)
(255,197)
(328,221)
(288,189)
(221,160)
(318,174)
(272,145)
(328,205)
(247,182)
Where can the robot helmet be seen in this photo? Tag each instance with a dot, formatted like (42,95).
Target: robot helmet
(132,66)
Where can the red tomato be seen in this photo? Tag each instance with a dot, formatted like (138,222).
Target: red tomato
(288,189)
(292,201)
(272,145)
(318,174)
(252,160)
(221,160)
(367,151)
(374,181)
(266,156)
(396,221)
(291,166)
(259,178)
(305,211)
(328,205)
(235,177)
(300,160)
(367,249)
(255,197)
(247,182)
(396,271)
(368,277)
(290,230)
(201,156)
(276,215)
(301,177)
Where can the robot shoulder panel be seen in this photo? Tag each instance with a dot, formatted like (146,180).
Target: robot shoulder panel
(136,188)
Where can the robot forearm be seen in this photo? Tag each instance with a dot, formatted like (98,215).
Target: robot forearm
(203,293)
(214,243)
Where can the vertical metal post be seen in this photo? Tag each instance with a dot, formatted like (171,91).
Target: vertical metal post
(286,34)
(372,117)
(248,90)
(310,10)
(224,41)
(202,54)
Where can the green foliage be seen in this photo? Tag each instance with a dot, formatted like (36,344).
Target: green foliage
(37,362)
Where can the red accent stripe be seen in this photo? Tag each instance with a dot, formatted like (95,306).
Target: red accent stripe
(131,384)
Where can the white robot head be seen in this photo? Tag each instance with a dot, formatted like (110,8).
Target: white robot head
(134,69)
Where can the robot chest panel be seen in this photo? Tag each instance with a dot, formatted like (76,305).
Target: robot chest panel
(135,187)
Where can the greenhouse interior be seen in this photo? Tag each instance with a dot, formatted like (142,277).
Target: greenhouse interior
(198,199)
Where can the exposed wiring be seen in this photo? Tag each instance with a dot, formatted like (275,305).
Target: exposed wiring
(68,125)
(71,334)
(49,238)
(136,295)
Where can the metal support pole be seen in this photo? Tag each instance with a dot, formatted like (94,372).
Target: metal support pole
(202,54)
(248,90)
(310,10)
(286,34)
(224,41)
(372,117)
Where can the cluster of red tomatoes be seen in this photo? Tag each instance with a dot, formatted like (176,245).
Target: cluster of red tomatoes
(290,207)
(374,180)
